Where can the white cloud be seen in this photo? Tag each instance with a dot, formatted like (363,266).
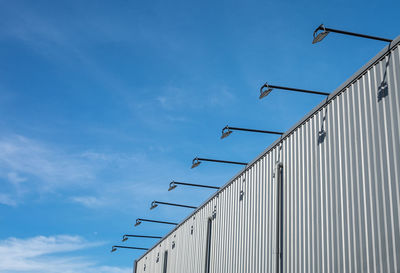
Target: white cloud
(15,178)
(49,255)
(6,199)
(66,43)
(95,155)
(31,168)
(20,155)
(175,98)
(89,201)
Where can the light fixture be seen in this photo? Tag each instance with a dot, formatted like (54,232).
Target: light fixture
(321,32)
(197,160)
(264,92)
(174,184)
(114,248)
(140,220)
(154,204)
(226,131)
(319,36)
(195,163)
(126,236)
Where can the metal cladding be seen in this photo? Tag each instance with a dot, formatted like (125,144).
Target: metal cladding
(340,194)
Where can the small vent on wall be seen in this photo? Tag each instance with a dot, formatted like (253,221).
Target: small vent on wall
(214,214)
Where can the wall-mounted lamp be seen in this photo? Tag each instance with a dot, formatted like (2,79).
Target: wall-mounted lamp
(174,184)
(227,130)
(321,32)
(154,204)
(140,220)
(197,160)
(266,89)
(114,248)
(126,236)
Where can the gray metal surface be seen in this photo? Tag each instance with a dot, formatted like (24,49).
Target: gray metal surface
(340,192)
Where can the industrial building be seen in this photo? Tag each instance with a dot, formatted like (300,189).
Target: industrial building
(324,197)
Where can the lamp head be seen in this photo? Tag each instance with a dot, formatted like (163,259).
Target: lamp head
(264,91)
(225,132)
(113,249)
(153,205)
(195,163)
(318,37)
(124,238)
(138,222)
(172,186)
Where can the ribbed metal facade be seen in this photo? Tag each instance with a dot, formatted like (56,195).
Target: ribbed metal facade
(339,200)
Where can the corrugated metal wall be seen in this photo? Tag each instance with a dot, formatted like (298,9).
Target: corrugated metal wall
(342,197)
(340,192)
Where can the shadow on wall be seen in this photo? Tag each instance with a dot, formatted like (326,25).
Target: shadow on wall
(322,132)
(383,90)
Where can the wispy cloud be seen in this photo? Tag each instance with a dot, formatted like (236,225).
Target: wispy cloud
(28,166)
(177,104)
(194,97)
(50,255)
(15,178)
(89,201)
(21,157)
(68,45)
(60,43)
(8,200)
(123,195)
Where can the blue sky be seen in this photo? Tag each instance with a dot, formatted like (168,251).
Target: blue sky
(103,103)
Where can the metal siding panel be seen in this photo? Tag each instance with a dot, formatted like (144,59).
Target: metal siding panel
(351,179)
(341,196)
